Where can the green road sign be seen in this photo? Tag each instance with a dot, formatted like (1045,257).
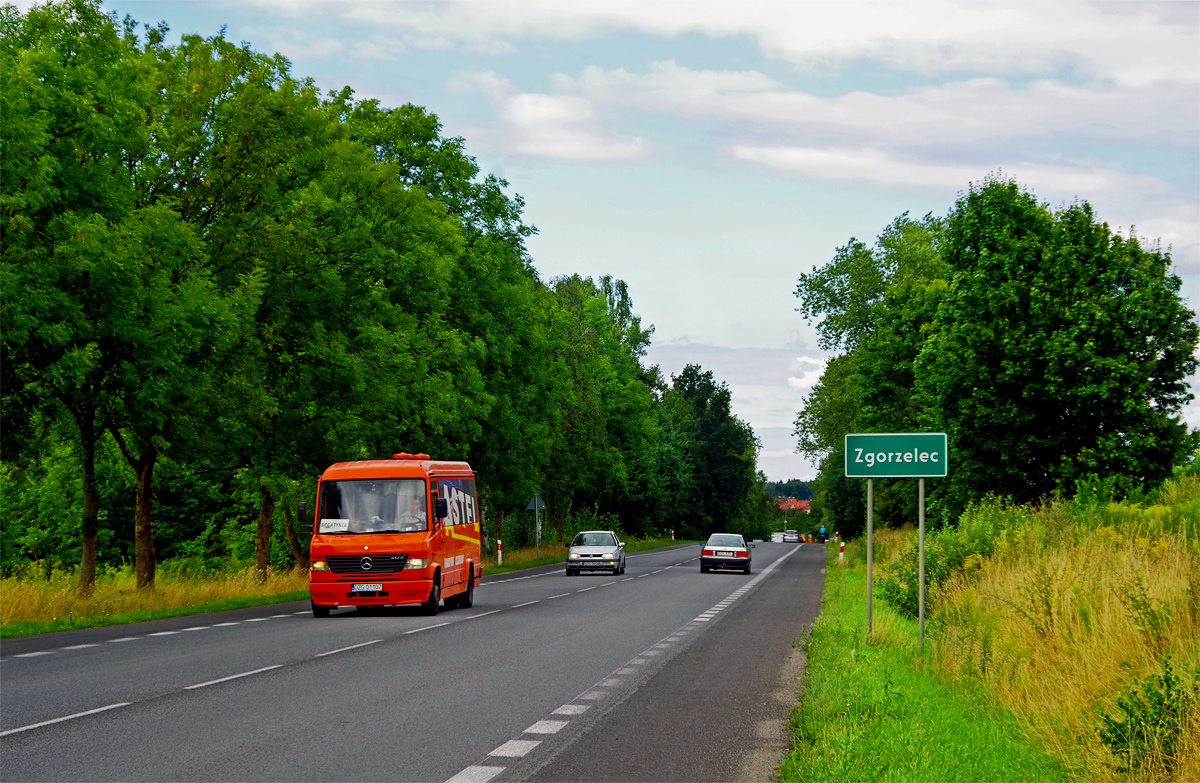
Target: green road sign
(896,455)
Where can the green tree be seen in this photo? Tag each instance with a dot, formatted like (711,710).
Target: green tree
(106,300)
(1061,349)
(724,452)
(1048,347)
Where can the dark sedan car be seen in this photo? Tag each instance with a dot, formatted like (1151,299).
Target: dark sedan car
(725,551)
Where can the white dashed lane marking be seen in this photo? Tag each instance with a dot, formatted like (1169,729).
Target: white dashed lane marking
(515,748)
(572,709)
(232,677)
(546,727)
(65,717)
(478,774)
(351,647)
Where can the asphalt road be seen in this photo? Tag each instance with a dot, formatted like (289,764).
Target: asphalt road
(661,674)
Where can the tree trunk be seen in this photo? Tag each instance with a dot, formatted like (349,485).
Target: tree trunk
(561,514)
(262,533)
(143,530)
(90,524)
(293,542)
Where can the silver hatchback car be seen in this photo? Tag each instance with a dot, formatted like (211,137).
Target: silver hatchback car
(596,550)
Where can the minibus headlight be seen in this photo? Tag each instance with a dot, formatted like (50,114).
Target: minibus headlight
(416,562)
(319,565)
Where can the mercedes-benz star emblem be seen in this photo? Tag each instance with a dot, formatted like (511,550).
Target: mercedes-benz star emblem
(365,564)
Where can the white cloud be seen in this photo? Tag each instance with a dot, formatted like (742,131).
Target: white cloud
(889,167)
(1191,411)
(296,44)
(1130,43)
(810,371)
(962,112)
(537,125)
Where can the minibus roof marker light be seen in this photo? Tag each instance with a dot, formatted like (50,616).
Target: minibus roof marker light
(406,455)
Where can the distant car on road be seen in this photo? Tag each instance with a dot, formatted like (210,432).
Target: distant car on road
(725,551)
(596,550)
(791,537)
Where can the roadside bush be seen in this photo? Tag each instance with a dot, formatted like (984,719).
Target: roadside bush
(964,547)
(1149,722)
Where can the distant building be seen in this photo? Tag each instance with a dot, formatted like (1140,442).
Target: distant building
(791,504)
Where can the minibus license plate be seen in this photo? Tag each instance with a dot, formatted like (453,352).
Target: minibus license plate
(371,587)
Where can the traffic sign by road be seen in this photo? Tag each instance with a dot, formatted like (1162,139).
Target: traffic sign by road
(896,455)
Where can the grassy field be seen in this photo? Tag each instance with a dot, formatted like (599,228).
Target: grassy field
(35,604)
(1063,642)
(31,605)
(874,710)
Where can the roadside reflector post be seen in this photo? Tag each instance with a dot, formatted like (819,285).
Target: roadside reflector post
(499,553)
(842,552)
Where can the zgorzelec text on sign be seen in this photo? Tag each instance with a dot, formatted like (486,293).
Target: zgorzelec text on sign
(896,455)
(916,455)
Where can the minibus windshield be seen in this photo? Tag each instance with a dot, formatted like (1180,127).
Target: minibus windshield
(373,506)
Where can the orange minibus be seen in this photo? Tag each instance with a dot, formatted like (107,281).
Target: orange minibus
(403,530)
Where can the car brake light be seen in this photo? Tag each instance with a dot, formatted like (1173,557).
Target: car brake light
(707,553)
(741,553)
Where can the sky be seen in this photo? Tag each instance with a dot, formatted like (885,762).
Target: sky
(708,152)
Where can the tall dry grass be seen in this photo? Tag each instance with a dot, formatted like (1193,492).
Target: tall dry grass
(1070,608)
(34,599)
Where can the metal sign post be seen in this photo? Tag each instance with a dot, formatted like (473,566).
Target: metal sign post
(536,505)
(870,541)
(921,567)
(897,455)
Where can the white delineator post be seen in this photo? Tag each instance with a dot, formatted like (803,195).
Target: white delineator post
(842,552)
(499,553)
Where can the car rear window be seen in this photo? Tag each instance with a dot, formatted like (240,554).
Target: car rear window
(726,540)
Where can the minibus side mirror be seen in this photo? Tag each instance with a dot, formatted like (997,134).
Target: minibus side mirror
(441,508)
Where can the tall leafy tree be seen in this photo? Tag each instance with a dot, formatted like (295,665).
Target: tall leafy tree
(105,297)
(723,454)
(1048,347)
(1061,349)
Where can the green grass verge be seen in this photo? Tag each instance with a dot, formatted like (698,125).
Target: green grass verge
(71,623)
(874,711)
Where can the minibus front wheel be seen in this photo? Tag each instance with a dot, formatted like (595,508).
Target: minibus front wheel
(430,607)
(320,611)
